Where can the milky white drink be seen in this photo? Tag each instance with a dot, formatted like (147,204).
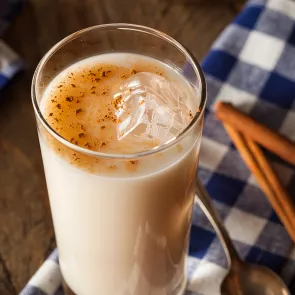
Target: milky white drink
(121,225)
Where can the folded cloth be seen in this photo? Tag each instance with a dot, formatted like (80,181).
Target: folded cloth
(251,65)
(10,63)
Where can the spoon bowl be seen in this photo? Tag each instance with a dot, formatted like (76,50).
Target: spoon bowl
(253,279)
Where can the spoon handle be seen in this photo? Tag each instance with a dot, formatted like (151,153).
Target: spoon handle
(206,205)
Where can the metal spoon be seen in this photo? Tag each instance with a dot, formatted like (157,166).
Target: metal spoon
(242,278)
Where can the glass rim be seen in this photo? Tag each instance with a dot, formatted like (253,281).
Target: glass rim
(131,27)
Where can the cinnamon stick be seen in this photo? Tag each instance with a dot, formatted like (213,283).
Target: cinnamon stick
(278,188)
(265,176)
(273,141)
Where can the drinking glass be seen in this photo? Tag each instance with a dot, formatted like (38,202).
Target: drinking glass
(121,234)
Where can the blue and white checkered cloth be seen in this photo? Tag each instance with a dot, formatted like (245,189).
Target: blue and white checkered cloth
(10,63)
(252,65)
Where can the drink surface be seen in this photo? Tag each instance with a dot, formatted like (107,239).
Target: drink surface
(121,225)
(83,102)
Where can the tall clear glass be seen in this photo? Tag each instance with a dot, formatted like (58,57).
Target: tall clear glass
(121,234)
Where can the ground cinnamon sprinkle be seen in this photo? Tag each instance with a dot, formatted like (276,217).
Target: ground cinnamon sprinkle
(132,165)
(69,98)
(117,102)
(98,114)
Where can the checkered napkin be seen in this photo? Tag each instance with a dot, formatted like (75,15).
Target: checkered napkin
(10,63)
(252,65)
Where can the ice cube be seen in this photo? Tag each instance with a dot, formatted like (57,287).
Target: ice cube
(149,106)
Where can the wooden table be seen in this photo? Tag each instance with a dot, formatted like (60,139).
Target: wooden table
(26,235)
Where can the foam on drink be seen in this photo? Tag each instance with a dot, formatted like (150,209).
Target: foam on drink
(121,225)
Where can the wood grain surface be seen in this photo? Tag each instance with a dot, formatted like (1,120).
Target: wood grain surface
(26,235)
